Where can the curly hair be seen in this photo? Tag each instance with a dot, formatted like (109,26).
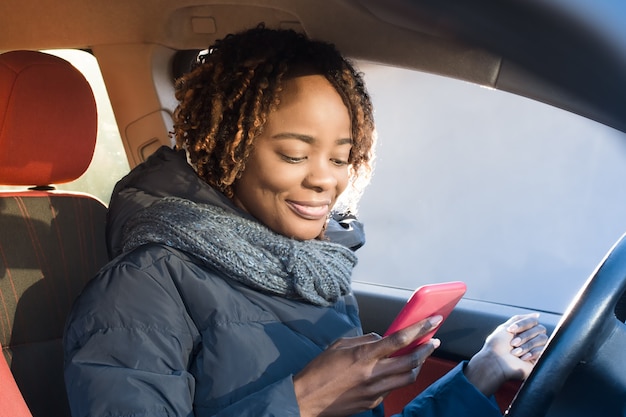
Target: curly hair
(225,100)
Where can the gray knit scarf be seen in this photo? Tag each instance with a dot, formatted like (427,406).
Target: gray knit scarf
(245,250)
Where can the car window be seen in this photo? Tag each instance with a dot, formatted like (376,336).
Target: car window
(109,162)
(518,199)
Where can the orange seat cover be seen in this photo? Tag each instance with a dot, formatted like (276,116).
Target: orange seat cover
(12,403)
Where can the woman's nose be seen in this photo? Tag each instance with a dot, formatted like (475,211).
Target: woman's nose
(321,176)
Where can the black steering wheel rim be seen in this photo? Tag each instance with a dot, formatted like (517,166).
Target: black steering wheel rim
(587,324)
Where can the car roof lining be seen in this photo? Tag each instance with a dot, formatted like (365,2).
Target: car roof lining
(567,53)
(455,38)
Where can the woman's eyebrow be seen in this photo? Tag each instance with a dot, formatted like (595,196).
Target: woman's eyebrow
(307,138)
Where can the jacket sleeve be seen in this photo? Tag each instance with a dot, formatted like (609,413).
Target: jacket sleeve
(277,399)
(450,396)
(127,345)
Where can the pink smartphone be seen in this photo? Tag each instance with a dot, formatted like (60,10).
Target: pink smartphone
(426,301)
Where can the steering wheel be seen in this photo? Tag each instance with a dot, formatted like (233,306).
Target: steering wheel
(589,333)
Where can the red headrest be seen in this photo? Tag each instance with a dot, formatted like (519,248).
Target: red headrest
(48,120)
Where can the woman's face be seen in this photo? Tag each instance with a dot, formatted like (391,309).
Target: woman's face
(299,165)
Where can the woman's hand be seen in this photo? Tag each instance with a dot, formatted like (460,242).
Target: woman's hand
(510,352)
(355,374)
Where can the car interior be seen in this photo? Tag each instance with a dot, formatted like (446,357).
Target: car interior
(51,241)
(568,54)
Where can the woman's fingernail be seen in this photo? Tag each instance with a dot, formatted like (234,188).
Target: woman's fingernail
(516,341)
(435,320)
(516,351)
(436,342)
(512,328)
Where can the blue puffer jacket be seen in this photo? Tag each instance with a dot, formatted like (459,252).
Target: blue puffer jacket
(157,333)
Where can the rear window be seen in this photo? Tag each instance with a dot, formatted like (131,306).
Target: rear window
(518,199)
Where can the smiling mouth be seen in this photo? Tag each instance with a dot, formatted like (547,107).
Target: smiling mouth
(309,212)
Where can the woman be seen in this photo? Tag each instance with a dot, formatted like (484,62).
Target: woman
(229,293)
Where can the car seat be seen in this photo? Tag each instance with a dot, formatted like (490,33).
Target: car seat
(12,402)
(51,242)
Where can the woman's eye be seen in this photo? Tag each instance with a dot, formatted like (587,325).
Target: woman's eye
(292,159)
(340,162)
